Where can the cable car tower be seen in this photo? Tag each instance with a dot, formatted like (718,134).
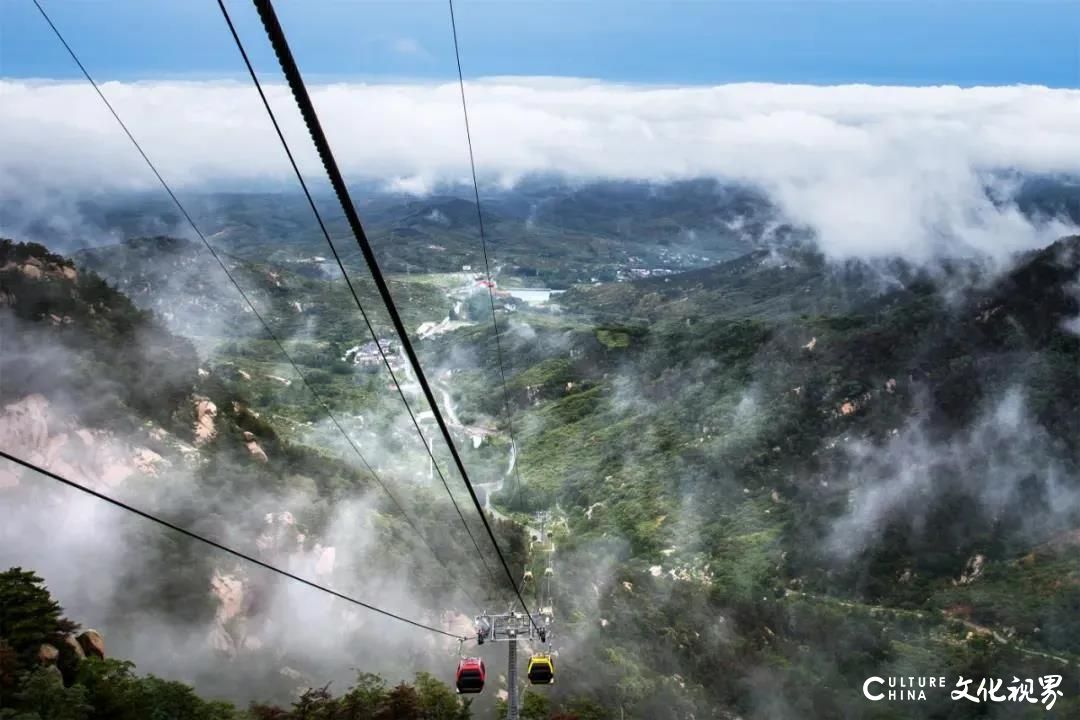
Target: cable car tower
(509,628)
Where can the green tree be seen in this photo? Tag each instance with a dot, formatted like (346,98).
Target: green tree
(258,711)
(365,698)
(583,709)
(108,682)
(403,703)
(535,706)
(314,704)
(44,696)
(437,701)
(9,668)
(28,614)
(116,693)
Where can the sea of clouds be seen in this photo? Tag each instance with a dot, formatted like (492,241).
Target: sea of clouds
(875,171)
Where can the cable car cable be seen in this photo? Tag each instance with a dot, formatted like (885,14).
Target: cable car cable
(247,300)
(487,266)
(224,548)
(295,80)
(348,282)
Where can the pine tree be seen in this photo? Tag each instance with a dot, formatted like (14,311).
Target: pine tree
(29,616)
(9,667)
(403,704)
(437,701)
(43,695)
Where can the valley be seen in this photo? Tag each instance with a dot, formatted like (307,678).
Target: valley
(765,475)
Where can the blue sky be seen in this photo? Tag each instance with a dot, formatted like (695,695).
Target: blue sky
(909,42)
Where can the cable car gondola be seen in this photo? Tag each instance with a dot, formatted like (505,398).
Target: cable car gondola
(470,675)
(541,670)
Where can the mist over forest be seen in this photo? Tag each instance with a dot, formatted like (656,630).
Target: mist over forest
(780,413)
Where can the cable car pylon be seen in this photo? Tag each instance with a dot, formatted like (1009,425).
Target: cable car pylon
(510,627)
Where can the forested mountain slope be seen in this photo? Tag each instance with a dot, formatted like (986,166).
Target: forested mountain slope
(783,473)
(765,479)
(99,391)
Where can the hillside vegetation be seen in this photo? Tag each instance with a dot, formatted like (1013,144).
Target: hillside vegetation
(766,479)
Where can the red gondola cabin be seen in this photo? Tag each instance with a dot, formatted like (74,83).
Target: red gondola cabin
(470,675)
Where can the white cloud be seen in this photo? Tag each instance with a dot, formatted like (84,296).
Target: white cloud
(875,170)
(410,47)
(902,479)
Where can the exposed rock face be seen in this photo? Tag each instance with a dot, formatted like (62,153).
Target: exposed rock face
(229,589)
(253,447)
(72,644)
(147,461)
(257,452)
(35,269)
(237,621)
(229,632)
(43,437)
(853,405)
(973,570)
(47,655)
(280,536)
(24,424)
(93,644)
(205,413)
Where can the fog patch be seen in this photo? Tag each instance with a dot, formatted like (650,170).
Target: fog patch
(989,462)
